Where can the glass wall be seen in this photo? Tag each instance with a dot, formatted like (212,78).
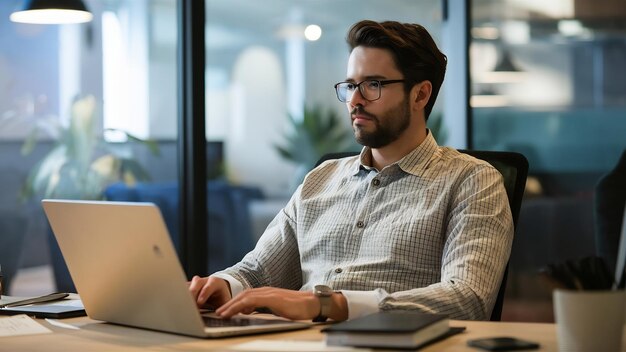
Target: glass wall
(547,81)
(106,80)
(270,66)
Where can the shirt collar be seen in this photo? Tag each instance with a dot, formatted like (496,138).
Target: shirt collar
(365,158)
(415,162)
(419,158)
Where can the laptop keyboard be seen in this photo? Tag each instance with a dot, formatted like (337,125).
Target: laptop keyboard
(214,322)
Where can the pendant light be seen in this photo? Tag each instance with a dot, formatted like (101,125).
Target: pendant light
(505,71)
(52,12)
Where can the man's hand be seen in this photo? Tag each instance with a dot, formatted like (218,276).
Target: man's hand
(209,292)
(295,305)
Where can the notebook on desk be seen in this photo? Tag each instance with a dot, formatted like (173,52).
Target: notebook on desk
(126,270)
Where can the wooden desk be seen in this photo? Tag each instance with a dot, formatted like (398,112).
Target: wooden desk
(97,336)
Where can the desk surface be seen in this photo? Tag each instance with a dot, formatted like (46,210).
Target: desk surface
(97,336)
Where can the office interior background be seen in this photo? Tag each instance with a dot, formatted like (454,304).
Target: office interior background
(544,78)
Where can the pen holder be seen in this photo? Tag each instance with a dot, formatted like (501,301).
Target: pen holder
(589,320)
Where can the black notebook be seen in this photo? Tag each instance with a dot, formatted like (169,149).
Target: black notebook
(53,305)
(45,311)
(390,330)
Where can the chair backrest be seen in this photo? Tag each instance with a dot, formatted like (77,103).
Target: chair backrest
(514,169)
(608,208)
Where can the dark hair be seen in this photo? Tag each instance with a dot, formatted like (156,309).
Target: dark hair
(413,49)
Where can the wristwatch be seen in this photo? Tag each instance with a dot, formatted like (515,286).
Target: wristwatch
(324,293)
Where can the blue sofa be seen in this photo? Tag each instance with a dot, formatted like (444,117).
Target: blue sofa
(228,221)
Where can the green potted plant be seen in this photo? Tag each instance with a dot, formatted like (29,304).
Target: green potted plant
(81,163)
(319,132)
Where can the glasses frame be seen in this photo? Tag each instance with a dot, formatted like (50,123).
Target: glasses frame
(381,83)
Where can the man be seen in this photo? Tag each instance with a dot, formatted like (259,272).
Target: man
(405,225)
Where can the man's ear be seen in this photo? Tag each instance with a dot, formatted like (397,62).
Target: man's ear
(420,94)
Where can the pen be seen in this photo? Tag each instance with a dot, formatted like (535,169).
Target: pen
(41,299)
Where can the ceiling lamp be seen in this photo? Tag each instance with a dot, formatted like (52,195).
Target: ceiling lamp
(505,70)
(52,12)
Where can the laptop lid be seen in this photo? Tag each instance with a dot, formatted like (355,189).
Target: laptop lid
(126,270)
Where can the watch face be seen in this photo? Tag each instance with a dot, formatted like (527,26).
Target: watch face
(323,290)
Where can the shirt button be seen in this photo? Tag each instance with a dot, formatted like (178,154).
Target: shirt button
(360,224)
(338,270)
(376,182)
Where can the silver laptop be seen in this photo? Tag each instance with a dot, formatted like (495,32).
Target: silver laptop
(126,270)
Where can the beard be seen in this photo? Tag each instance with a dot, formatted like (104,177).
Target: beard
(395,122)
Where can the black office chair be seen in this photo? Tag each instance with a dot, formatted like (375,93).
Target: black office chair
(514,169)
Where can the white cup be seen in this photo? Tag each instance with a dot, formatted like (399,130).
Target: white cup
(589,320)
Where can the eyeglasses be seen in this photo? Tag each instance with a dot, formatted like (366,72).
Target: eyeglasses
(369,89)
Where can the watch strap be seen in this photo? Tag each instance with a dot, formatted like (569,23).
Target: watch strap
(324,294)
(325,306)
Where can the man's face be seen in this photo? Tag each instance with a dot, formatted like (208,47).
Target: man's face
(380,122)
